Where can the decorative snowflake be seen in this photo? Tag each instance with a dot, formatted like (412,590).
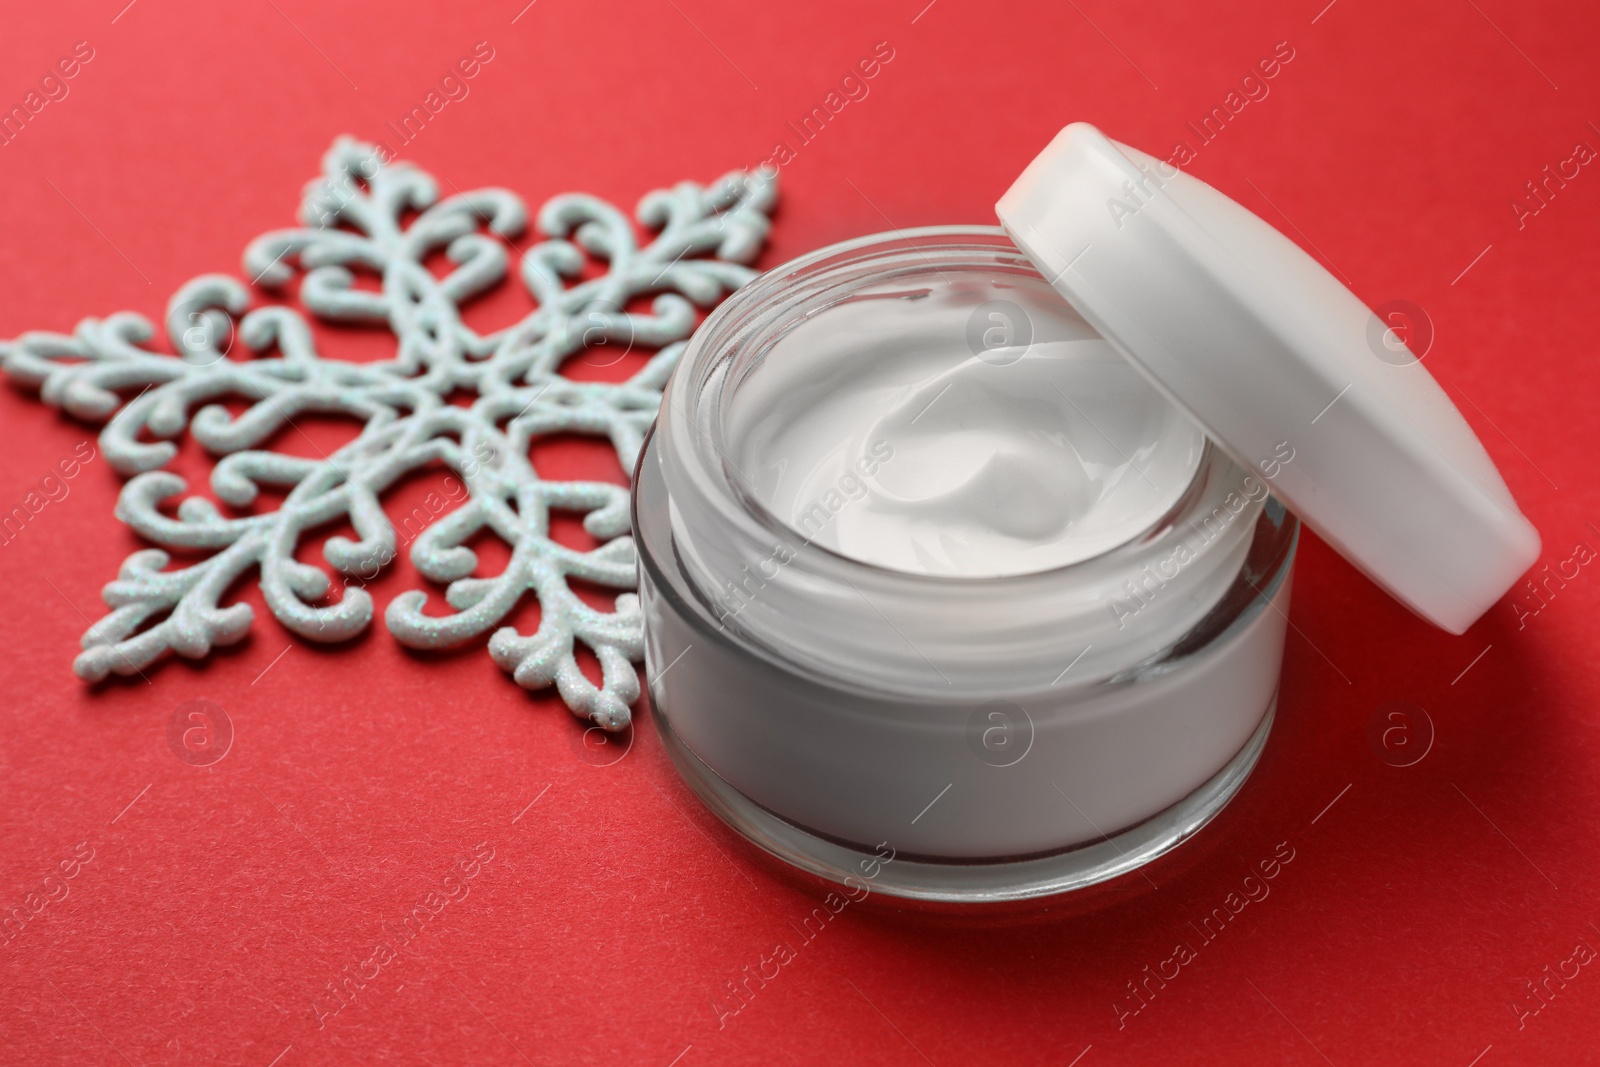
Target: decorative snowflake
(355,221)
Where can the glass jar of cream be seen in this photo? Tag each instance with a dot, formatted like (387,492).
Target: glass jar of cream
(913,536)
(933,569)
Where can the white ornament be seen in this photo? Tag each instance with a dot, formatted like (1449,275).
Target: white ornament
(355,222)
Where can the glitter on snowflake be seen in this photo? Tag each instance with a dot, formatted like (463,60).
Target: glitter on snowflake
(358,219)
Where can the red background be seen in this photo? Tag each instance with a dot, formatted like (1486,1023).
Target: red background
(219,901)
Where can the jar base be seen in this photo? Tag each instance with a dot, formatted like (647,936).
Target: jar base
(991,882)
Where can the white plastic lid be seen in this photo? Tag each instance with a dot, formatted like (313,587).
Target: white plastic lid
(1275,358)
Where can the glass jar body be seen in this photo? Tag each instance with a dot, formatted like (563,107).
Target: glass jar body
(1002,737)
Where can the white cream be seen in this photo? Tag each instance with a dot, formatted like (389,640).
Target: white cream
(873,430)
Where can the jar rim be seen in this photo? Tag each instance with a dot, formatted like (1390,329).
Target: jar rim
(722,531)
